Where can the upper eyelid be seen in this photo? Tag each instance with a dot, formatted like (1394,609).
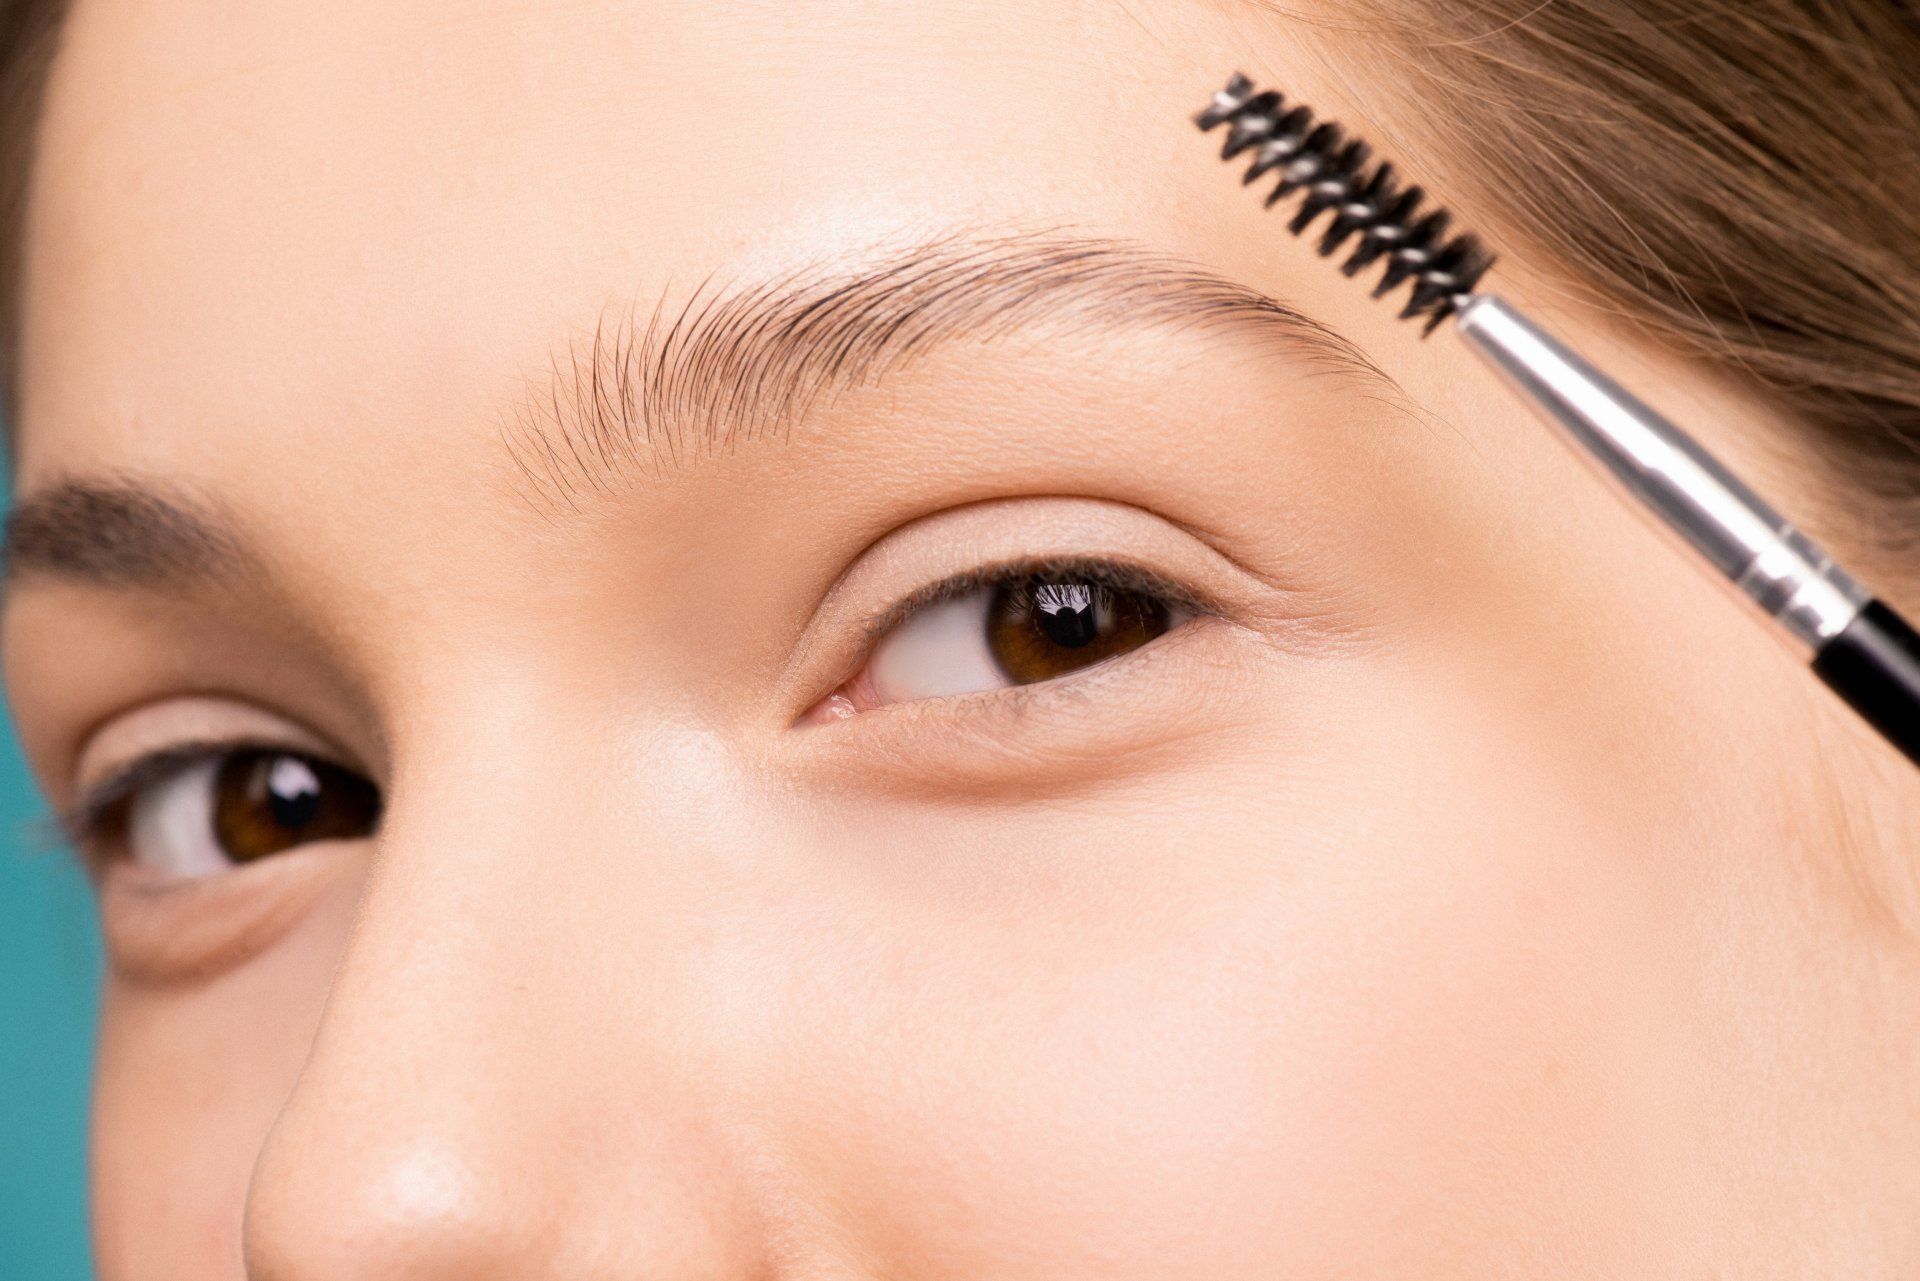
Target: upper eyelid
(79,823)
(79,819)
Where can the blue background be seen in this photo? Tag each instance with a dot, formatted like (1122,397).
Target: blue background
(49,976)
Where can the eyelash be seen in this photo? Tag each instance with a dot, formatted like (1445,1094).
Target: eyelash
(1118,576)
(90,822)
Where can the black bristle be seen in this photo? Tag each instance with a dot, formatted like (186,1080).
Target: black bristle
(1414,251)
(1289,136)
(1473,264)
(1360,210)
(1251,124)
(1307,164)
(1226,103)
(1448,282)
(1384,231)
(1334,173)
(1430,289)
(1333,186)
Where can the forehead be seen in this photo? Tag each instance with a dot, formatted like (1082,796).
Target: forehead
(330,213)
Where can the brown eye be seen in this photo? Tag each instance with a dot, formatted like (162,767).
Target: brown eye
(1016,629)
(220,809)
(266,801)
(1041,627)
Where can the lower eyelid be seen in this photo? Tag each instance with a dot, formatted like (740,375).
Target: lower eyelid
(1029,743)
(1079,684)
(161,930)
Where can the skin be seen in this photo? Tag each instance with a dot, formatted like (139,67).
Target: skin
(1474,892)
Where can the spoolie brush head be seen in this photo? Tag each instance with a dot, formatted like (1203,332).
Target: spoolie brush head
(1331,173)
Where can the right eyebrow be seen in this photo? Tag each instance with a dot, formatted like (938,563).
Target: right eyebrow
(728,363)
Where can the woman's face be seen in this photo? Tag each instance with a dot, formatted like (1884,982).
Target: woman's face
(626,502)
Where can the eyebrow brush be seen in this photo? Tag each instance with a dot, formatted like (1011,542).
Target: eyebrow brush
(1862,649)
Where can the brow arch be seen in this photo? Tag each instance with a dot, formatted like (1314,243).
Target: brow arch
(648,391)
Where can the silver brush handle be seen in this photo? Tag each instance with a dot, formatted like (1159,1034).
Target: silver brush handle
(1862,649)
(1759,552)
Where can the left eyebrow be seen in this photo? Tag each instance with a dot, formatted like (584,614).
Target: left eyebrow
(647,394)
(117,532)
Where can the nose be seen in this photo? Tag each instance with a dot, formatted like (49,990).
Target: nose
(494,1091)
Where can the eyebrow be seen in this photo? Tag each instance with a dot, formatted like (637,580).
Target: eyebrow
(728,363)
(122,532)
(733,363)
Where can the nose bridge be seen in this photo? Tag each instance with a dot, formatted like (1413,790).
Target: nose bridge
(491,1092)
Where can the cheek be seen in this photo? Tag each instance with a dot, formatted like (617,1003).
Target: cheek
(189,1079)
(1346,993)
(1368,1030)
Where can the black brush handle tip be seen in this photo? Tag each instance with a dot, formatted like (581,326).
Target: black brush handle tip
(1875,666)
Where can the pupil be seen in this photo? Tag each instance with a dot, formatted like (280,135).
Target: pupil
(293,792)
(1066,614)
(268,801)
(1039,628)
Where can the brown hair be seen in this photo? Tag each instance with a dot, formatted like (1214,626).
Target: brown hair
(28,30)
(1741,178)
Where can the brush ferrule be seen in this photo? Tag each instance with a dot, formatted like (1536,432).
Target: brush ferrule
(1753,546)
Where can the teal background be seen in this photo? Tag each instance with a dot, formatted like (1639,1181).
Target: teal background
(49,978)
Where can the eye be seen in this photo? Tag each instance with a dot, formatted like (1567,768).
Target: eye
(1000,630)
(194,812)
